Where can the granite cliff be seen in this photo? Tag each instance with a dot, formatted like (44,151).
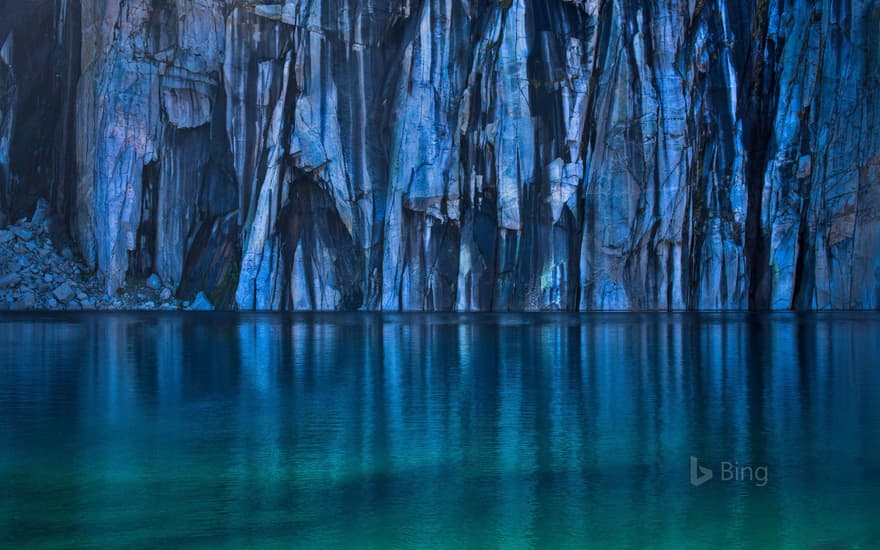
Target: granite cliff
(454,154)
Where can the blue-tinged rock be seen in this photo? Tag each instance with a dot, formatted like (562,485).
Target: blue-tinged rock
(154,282)
(201,303)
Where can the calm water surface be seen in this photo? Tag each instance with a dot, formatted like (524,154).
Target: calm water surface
(453,431)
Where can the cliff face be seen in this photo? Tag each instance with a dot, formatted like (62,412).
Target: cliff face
(455,154)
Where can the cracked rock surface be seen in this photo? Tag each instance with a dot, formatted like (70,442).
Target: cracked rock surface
(454,154)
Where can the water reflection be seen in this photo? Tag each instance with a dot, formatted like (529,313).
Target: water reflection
(412,430)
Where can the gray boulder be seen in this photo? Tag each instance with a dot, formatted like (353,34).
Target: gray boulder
(64,293)
(154,282)
(41,213)
(9,280)
(22,233)
(26,301)
(201,303)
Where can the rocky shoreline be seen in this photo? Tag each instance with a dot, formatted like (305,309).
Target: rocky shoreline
(41,270)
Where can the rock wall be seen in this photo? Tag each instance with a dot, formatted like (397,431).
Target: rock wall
(455,154)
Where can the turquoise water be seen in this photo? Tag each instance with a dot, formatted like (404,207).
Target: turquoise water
(456,431)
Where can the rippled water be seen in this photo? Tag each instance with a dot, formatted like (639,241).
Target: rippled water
(425,431)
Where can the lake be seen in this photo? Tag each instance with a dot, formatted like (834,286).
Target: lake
(459,431)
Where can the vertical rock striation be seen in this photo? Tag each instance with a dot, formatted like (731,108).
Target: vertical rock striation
(39,70)
(456,154)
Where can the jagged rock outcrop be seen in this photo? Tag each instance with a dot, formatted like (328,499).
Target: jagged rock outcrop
(454,154)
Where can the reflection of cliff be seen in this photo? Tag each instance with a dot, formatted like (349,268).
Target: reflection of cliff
(444,154)
(310,427)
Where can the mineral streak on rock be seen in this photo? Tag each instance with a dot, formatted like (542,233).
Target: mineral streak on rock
(454,154)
